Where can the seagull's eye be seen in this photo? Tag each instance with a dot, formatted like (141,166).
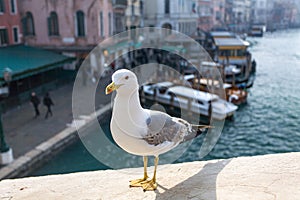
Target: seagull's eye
(126,77)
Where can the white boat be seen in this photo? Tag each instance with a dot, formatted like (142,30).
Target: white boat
(257,30)
(190,99)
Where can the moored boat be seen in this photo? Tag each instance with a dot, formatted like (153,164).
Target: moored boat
(234,94)
(196,101)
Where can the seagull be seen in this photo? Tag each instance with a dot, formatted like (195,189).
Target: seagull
(142,131)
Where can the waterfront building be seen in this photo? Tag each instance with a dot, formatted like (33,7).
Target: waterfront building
(205,13)
(228,12)
(70,27)
(10,23)
(63,24)
(283,14)
(276,14)
(238,13)
(119,8)
(218,14)
(179,15)
(260,11)
(133,14)
(211,14)
(23,63)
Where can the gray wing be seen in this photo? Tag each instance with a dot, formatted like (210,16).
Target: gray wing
(163,128)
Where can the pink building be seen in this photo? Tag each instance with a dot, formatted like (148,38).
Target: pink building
(73,26)
(9,23)
(211,14)
(218,14)
(205,12)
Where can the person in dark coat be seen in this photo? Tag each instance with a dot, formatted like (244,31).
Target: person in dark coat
(48,103)
(35,102)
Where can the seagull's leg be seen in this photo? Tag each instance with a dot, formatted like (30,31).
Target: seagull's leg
(137,182)
(151,184)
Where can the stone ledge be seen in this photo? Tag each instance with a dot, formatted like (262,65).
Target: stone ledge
(266,177)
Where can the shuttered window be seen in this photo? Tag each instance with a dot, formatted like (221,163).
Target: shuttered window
(28,24)
(2,6)
(13,6)
(53,29)
(3,37)
(101,24)
(80,23)
(16,34)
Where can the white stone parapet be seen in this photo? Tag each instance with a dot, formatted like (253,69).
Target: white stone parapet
(268,177)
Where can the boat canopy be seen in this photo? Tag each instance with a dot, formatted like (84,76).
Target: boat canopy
(193,94)
(230,43)
(204,81)
(210,64)
(164,84)
(222,34)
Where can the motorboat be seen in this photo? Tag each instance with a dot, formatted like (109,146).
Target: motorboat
(189,99)
(234,94)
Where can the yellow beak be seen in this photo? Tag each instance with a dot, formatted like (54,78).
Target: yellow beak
(111,87)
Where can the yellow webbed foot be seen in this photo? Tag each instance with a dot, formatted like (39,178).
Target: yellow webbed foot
(149,185)
(137,182)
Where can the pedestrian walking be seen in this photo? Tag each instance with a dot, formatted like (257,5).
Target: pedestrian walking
(35,102)
(48,103)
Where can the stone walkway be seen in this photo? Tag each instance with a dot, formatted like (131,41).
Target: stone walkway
(23,132)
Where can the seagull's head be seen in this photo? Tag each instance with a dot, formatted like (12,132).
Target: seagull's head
(123,81)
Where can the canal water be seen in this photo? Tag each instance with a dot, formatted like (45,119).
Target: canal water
(268,123)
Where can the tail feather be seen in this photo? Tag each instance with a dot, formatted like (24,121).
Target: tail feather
(201,126)
(196,131)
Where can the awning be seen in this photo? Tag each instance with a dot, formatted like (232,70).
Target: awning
(117,47)
(222,34)
(24,61)
(231,42)
(174,49)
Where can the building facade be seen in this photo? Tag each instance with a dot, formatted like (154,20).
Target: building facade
(10,23)
(205,13)
(260,11)
(179,15)
(70,26)
(211,14)
(119,22)
(238,15)
(218,19)
(283,14)
(134,13)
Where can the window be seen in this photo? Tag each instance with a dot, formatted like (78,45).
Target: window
(53,24)
(3,37)
(28,24)
(80,24)
(109,24)
(162,90)
(16,34)
(13,8)
(101,25)
(142,7)
(2,6)
(167,6)
(218,15)
(240,52)
(200,102)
